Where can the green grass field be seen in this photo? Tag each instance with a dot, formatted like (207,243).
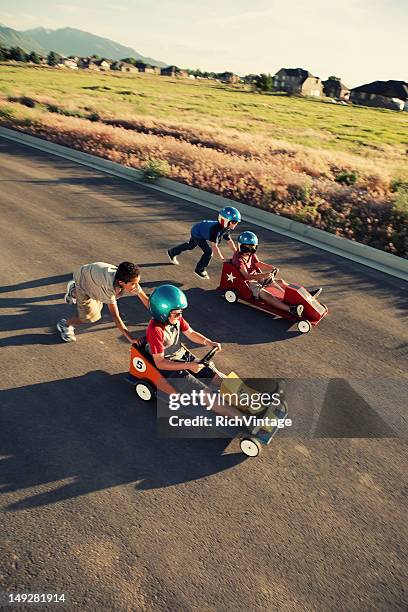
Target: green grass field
(312,123)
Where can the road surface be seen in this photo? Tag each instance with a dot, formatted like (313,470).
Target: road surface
(94,506)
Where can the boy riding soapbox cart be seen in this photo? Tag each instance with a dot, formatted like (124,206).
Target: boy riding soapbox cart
(251,281)
(149,384)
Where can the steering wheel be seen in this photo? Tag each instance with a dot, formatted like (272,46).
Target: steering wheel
(207,358)
(270,279)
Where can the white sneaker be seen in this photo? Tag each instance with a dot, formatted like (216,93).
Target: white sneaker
(204,274)
(67,331)
(69,298)
(173,258)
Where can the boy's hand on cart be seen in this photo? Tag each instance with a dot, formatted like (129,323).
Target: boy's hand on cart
(194,366)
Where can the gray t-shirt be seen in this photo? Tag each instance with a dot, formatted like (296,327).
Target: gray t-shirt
(96,280)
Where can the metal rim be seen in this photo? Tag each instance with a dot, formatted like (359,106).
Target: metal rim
(304,327)
(144,392)
(230,296)
(250,447)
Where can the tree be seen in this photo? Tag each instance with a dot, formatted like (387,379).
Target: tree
(17,54)
(129,60)
(264,82)
(333,78)
(2,54)
(52,58)
(34,57)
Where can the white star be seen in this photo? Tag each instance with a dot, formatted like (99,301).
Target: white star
(231,277)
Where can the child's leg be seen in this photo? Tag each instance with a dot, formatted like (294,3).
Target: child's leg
(206,256)
(280,284)
(296,310)
(186,246)
(272,300)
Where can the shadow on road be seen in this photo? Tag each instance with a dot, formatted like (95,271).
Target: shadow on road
(93,433)
(38,282)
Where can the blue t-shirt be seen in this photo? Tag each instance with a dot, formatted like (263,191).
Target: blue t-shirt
(210,230)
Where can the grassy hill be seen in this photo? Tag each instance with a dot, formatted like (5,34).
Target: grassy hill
(339,168)
(71,41)
(13,38)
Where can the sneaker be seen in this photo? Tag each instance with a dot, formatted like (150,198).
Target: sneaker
(203,274)
(69,297)
(316,292)
(173,258)
(66,331)
(297,311)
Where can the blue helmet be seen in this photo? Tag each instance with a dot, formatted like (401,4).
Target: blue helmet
(248,238)
(164,299)
(229,214)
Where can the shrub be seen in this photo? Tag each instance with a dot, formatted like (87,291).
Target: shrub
(398,184)
(401,200)
(347,178)
(29,102)
(153,169)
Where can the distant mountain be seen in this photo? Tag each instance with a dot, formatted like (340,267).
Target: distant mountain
(13,38)
(70,41)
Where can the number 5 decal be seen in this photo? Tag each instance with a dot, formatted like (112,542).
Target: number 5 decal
(139,364)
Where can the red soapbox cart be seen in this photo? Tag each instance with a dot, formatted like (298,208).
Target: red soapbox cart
(236,289)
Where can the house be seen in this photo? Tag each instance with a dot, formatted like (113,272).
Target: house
(102,64)
(383,94)
(123,67)
(297,81)
(334,88)
(174,71)
(142,67)
(229,77)
(90,63)
(87,63)
(68,62)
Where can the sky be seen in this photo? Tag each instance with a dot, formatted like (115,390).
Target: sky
(357,40)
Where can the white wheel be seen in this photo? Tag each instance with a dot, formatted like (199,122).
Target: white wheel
(230,296)
(250,447)
(304,326)
(144,391)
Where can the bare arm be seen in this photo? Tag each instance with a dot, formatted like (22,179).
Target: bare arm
(198,338)
(216,250)
(256,276)
(141,295)
(231,245)
(114,311)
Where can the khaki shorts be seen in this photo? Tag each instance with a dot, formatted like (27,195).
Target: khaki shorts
(255,288)
(88,309)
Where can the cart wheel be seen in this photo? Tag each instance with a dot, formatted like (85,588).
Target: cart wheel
(145,391)
(230,296)
(304,326)
(250,446)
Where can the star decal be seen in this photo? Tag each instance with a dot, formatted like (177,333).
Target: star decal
(231,277)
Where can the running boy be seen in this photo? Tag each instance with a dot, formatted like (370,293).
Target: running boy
(207,232)
(97,284)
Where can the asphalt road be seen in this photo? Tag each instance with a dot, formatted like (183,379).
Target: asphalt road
(93,505)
